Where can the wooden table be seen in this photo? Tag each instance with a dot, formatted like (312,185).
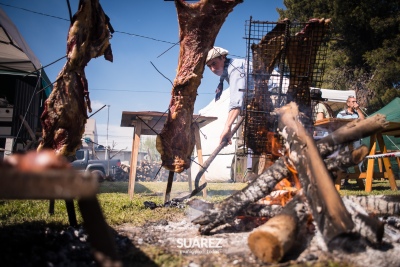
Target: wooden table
(151,123)
(393,129)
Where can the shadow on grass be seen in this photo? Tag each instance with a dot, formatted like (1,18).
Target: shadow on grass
(44,244)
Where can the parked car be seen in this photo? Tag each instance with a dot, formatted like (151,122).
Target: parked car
(102,168)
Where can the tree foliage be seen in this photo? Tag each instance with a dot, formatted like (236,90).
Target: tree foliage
(364,51)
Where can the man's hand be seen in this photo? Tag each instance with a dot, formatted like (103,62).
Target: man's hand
(226,135)
(356,106)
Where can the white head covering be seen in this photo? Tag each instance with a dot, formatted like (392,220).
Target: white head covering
(216,52)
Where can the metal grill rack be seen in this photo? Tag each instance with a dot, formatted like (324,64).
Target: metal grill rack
(285,59)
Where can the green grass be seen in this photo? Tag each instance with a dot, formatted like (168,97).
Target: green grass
(379,187)
(118,208)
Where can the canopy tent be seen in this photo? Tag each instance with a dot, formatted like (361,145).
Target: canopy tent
(15,54)
(392,113)
(336,99)
(391,110)
(16,57)
(24,86)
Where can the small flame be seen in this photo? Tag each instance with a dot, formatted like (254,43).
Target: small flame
(273,145)
(295,175)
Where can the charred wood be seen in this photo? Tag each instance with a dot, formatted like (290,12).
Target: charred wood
(327,207)
(227,210)
(345,159)
(271,241)
(350,132)
(378,205)
(365,225)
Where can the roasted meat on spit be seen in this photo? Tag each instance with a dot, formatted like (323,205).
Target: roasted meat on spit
(65,112)
(301,57)
(199,24)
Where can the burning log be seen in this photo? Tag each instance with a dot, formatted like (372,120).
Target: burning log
(354,130)
(199,24)
(88,37)
(327,207)
(367,226)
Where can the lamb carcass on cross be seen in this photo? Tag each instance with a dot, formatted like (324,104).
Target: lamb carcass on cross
(199,24)
(65,112)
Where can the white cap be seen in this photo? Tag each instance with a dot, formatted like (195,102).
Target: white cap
(216,52)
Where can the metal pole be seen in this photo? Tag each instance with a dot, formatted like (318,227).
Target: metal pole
(107,148)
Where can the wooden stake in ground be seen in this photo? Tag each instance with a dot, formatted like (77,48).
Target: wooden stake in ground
(199,24)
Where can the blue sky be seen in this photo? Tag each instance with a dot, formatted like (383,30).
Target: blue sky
(130,83)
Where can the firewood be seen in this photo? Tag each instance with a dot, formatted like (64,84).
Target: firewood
(346,159)
(378,205)
(227,210)
(327,207)
(272,240)
(351,132)
(368,227)
(199,24)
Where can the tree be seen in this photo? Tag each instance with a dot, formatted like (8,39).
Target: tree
(364,52)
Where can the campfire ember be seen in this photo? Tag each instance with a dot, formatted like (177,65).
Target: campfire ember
(199,24)
(88,37)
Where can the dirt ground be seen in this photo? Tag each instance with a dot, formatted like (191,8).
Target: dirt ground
(176,242)
(228,247)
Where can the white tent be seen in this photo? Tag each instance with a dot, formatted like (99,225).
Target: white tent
(15,54)
(220,170)
(337,98)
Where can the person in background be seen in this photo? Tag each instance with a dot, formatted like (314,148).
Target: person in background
(320,110)
(352,111)
(233,71)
